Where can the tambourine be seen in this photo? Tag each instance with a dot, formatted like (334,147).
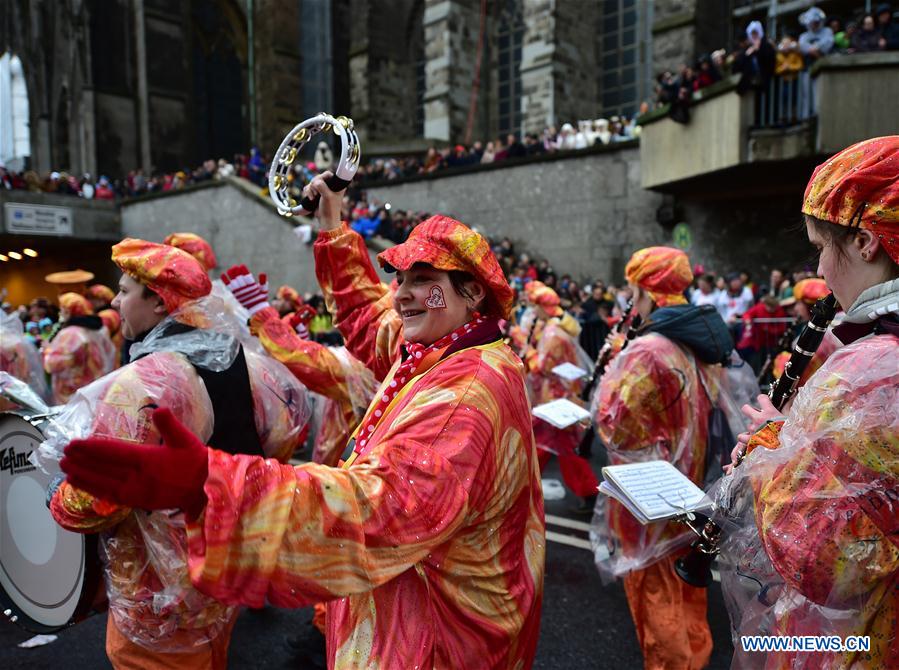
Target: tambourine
(288,152)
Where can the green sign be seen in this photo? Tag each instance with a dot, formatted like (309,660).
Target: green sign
(683,238)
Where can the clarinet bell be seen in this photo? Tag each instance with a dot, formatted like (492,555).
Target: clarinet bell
(695,567)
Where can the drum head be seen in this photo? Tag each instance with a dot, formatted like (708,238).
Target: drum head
(42,566)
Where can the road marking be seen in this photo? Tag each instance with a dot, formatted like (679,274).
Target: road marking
(569,540)
(567,523)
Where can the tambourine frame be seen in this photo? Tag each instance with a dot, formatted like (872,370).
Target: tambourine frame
(289,150)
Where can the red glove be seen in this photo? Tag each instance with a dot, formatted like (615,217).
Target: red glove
(252,294)
(146,476)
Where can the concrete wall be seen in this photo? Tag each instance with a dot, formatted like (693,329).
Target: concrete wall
(241,226)
(585,213)
(714,139)
(857,95)
(91,219)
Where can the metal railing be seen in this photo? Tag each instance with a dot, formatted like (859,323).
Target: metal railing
(786,101)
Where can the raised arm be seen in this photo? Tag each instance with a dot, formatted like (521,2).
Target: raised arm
(362,306)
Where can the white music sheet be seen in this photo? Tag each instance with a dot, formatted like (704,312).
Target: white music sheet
(560,413)
(652,491)
(569,372)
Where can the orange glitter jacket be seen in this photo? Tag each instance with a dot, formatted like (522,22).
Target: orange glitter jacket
(430,548)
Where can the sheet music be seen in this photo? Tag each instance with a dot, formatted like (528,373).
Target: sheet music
(653,490)
(570,372)
(561,413)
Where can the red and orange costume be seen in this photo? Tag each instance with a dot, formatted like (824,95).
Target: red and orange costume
(429,546)
(653,403)
(555,344)
(157,617)
(196,246)
(814,550)
(345,384)
(77,354)
(20,358)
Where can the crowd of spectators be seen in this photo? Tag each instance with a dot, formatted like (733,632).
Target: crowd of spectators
(587,134)
(758,60)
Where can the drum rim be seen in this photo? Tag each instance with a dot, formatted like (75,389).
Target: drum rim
(87,573)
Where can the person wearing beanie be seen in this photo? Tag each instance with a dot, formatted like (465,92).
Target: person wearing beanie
(80,351)
(654,402)
(99,296)
(817,484)
(238,400)
(428,542)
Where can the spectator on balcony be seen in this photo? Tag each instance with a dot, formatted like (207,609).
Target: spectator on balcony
(817,40)
(788,63)
(868,38)
(514,147)
(707,73)
(888,29)
(756,62)
(601,130)
(840,38)
(489,153)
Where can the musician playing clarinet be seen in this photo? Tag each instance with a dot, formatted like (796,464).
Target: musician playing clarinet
(654,403)
(825,476)
(428,544)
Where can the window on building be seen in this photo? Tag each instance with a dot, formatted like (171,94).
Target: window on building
(315,31)
(15,137)
(416,41)
(510,35)
(624,49)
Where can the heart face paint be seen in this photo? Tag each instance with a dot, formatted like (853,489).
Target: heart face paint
(436,299)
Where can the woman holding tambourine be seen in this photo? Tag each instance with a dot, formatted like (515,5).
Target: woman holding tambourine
(825,477)
(428,543)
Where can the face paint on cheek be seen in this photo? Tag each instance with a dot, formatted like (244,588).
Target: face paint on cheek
(436,299)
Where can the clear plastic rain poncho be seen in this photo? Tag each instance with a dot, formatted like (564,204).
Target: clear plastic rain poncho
(20,358)
(810,543)
(654,403)
(75,357)
(151,598)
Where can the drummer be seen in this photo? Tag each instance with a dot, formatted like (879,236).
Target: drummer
(213,386)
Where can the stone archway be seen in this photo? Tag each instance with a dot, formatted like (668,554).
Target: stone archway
(15,128)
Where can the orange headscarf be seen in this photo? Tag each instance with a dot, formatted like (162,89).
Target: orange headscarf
(859,187)
(196,246)
(75,304)
(446,244)
(174,275)
(547,299)
(663,272)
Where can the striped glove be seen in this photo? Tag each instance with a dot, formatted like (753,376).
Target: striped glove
(251,294)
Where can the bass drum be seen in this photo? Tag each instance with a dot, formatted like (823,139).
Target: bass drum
(49,577)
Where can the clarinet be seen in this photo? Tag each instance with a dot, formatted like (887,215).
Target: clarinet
(695,567)
(804,350)
(629,325)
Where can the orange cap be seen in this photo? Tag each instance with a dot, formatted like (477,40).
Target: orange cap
(75,304)
(859,187)
(810,290)
(101,292)
(195,245)
(174,275)
(447,244)
(111,319)
(547,299)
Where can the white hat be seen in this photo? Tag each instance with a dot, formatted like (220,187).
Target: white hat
(54,175)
